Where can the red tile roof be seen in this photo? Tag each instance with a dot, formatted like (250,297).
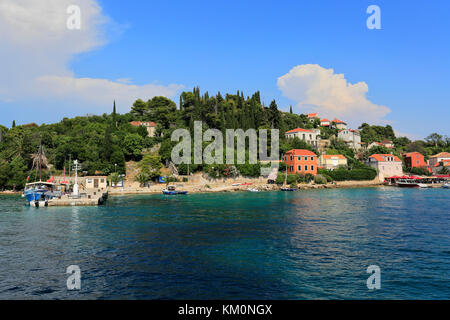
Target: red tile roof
(299,130)
(301,152)
(324,120)
(141,123)
(312,115)
(441,155)
(380,157)
(338,121)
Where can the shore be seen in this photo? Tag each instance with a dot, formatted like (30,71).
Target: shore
(221,187)
(212,187)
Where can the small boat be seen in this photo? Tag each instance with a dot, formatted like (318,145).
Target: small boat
(235,184)
(446,186)
(171,191)
(288,189)
(423,185)
(254,190)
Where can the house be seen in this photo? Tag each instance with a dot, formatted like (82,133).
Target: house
(438,167)
(95,182)
(312,116)
(414,160)
(387,165)
(310,136)
(351,137)
(301,161)
(332,162)
(341,125)
(325,123)
(150,126)
(387,144)
(438,158)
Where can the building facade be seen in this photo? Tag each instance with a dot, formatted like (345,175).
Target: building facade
(150,126)
(341,125)
(387,165)
(310,136)
(438,158)
(332,162)
(300,161)
(351,137)
(414,160)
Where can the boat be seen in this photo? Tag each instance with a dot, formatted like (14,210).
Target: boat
(288,189)
(235,184)
(253,190)
(423,185)
(39,193)
(446,186)
(171,191)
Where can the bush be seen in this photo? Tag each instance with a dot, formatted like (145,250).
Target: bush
(343,174)
(319,179)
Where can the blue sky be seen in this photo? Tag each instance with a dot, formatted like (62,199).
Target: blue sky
(160,47)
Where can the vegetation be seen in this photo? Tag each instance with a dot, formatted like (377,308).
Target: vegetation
(103,144)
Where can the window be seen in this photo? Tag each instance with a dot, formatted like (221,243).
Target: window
(292,158)
(312,158)
(306,168)
(304,136)
(299,168)
(306,158)
(312,168)
(102,180)
(299,158)
(292,168)
(310,137)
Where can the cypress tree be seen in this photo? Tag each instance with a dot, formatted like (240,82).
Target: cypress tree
(290,110)
(14,124)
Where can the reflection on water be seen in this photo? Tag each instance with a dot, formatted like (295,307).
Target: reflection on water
(305,245)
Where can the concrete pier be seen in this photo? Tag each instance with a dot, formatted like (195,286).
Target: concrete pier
(88,199)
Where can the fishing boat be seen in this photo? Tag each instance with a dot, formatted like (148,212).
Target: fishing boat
(171,191)
(39,193)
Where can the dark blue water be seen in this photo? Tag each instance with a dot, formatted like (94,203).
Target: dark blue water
(304,245)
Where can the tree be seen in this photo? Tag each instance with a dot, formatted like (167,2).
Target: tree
(434,139)
(115,179)
(14,124)
(139,108)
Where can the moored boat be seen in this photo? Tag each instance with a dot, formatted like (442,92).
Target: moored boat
(446,186)
(253,190)
(288,189)
(171,191)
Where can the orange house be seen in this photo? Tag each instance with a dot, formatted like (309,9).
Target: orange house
(301,161)
(414,160)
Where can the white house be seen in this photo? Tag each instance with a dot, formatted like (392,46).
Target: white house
(310,136)
(325,123)
(351,137)
(443,156)
(387,165)
(341,125)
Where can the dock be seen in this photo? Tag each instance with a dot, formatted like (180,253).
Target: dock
(85,199)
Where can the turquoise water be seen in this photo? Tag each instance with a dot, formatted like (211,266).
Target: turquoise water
(305,245)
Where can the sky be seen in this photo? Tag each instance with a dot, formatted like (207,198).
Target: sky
(318,56)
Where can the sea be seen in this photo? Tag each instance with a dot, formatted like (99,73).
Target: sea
(304,245)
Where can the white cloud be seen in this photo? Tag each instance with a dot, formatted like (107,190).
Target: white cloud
(37,47)
(317,89)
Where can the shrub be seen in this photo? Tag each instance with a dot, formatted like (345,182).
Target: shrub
(319,179)
(343,174)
